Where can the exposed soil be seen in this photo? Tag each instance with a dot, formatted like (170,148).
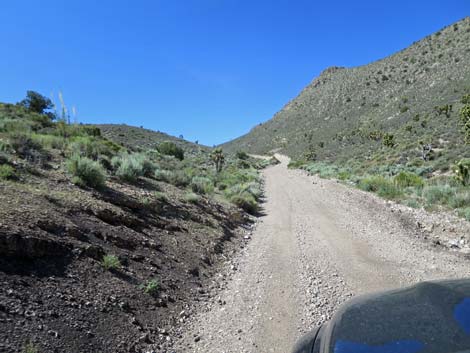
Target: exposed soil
(319,243)
(55,293)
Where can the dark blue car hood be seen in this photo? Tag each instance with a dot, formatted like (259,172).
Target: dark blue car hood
(430,317)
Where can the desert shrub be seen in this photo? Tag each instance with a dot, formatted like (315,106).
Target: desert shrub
(438,194)
(148,167)
(49,141)
(464,213)
(130,167)
(254,189)
(151,287)
(27,148)
(171,149)
(462,171)
(460,199)
(86,172)
(380,185)
(179,178)
(245,201)
(296,164)
(105,161)
(202,185)
(242,155)
(406,179)
(191,197)
(163,175)
(110,262)
(160,196)
(243,164)
(388,140)
(85,146)
(413,203)
(7,172)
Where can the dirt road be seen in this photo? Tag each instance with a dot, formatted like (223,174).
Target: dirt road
(319,243)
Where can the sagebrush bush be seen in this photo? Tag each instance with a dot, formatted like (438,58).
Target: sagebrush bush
(191,197)
(438,194)
(130,167)
(380,185)
(50,141)
(179,178)
(465,213)
(86,172)
(460,199)
(202,185)
(7,172)
(406,179)
(245,201)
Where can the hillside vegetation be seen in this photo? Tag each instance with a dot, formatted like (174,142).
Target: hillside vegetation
(103,245)
(379,112)
(399,127)
(139,138)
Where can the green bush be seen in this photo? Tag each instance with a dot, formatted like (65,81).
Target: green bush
(26,147)
(171,149)
(7,172)
(202,185)
(86,172)
(242,155)
(50,141)
(163,175)
(380,185)
(438,194)
(296,164)
(245,201)
(462,171)
(151,287)
(192,198)
(130,167)
(110,262)
(406,179)
(179,178)
(460,200)
(465,213)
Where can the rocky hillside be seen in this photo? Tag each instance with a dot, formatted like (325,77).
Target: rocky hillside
(382,110)
(137,137)
(104,247)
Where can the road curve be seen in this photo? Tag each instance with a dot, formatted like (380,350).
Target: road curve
(318,244)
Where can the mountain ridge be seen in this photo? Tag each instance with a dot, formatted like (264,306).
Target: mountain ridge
(342,106)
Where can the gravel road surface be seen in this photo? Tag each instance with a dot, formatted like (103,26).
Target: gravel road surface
(318,243)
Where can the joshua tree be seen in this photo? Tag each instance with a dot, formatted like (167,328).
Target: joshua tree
(426,149)
(218,158)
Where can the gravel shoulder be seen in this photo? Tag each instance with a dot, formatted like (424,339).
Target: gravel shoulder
(318,244)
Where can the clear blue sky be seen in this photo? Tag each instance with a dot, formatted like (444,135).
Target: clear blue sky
(207,69)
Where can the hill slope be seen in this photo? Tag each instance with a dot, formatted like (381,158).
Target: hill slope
(132,137)
(102,248)
(346,112)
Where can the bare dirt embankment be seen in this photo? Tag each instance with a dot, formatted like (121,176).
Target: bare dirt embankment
(318,244)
